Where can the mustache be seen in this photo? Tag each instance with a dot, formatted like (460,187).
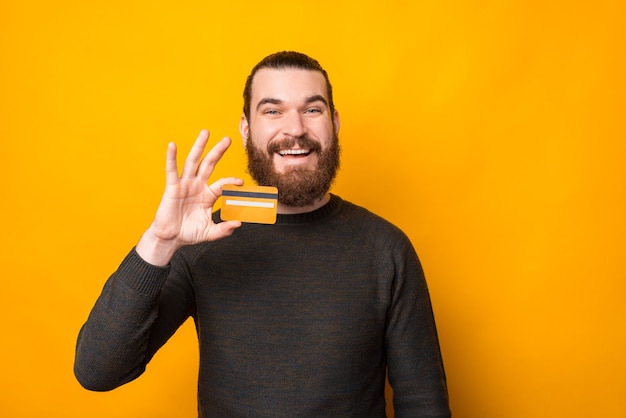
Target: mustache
(303,142)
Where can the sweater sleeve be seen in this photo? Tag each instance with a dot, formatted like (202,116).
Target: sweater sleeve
(139,309)
(415,366)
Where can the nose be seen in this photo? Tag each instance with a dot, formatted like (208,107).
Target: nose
(294,125)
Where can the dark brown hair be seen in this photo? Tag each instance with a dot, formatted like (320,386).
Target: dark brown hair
(282,60)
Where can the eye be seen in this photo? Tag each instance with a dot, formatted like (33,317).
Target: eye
(270,112)
(313,110)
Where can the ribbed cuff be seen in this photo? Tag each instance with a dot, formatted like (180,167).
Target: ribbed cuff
(142,276)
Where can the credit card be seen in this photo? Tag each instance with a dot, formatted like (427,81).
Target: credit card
(254,204)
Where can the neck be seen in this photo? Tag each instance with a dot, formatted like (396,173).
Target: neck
(291,210)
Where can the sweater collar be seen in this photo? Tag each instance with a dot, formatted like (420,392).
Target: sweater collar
(301,218)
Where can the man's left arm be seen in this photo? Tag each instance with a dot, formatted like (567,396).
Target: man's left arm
(414,361)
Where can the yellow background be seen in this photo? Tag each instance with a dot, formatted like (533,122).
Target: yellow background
(492,132)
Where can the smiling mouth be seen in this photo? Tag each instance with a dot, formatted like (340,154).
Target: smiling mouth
(294,152)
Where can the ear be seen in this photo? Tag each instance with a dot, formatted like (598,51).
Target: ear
(244,129)
(336,121)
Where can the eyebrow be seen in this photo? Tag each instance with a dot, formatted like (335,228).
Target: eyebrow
(310,99)
(316,98)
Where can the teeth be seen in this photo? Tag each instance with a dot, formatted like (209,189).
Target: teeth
(293,151)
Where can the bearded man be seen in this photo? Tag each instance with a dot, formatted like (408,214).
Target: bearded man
(305,317)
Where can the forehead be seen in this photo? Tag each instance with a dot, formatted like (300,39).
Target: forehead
(287,84)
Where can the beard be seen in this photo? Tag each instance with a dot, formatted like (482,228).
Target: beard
(297,187)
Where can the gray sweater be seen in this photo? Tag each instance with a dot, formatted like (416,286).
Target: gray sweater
(301,318)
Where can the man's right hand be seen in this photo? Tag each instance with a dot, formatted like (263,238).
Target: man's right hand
(184,214)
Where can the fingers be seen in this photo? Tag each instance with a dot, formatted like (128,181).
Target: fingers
(171,168)
(193,158)
(224,229)
(212,158)
(195,165)
(216,188)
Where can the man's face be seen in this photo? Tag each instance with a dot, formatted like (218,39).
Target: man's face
(291,135)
